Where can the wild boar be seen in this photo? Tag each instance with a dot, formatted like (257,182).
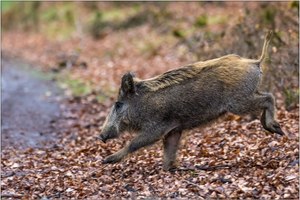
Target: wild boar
(185,98)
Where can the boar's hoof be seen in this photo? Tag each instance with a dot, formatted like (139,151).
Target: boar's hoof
(100,137)
(279,131)
(274,128)
(170,168)
(111,159)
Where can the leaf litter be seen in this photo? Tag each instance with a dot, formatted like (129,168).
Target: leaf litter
(231,158)
(228,159)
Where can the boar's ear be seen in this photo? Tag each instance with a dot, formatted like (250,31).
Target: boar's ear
(127,85)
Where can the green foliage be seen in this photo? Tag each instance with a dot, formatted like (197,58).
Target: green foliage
(50,15)
(149,47)
(178,33)
(294,4)
(53,20)
(204,20)
(6,5)
(102,98)
(77,87)
(69,16)
(216,19)
(115,14)
(113,19)
(58,23)
(201,21)
(21,14)
(268,15)
(291,98)
(97,24)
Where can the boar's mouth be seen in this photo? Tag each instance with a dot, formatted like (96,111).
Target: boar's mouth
(105,135)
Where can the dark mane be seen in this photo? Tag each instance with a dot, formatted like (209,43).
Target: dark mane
(179,75)
(170,78)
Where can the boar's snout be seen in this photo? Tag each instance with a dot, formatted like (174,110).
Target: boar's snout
(108,134)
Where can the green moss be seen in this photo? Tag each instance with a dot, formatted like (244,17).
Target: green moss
(148,47)
(101,98)
(268,15)
(178,33)
(77,87)
(201,21)
(114,14)
(291,97)
(216,19)
(205,20)
(50,15)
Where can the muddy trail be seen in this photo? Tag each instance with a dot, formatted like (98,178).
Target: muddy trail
(30,105)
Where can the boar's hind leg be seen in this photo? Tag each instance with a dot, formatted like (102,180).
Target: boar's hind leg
(141,140)
(264,102)
(171,143)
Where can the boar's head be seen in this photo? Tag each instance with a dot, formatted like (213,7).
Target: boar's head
(118,118)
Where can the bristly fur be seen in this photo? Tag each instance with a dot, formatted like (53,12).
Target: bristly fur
(179,75)
(169,78)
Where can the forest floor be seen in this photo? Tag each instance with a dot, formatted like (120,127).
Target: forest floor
(232,158)
(229,159)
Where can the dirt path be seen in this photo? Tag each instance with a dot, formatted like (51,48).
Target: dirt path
(30,103)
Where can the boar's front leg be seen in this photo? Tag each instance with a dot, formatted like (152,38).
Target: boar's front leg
(141,140)
(171,143)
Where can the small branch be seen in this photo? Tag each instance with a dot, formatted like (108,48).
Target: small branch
(182,169)
(191,183)
(8,174)
(208,168)
(11,195)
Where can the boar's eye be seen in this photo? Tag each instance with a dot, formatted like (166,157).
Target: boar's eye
(118,105)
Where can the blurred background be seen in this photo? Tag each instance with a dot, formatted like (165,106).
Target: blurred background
(91,44)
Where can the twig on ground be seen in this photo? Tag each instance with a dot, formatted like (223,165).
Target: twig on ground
(191,183)
(11,195)
(205,167)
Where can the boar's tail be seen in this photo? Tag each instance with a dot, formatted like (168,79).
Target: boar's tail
(265,47)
